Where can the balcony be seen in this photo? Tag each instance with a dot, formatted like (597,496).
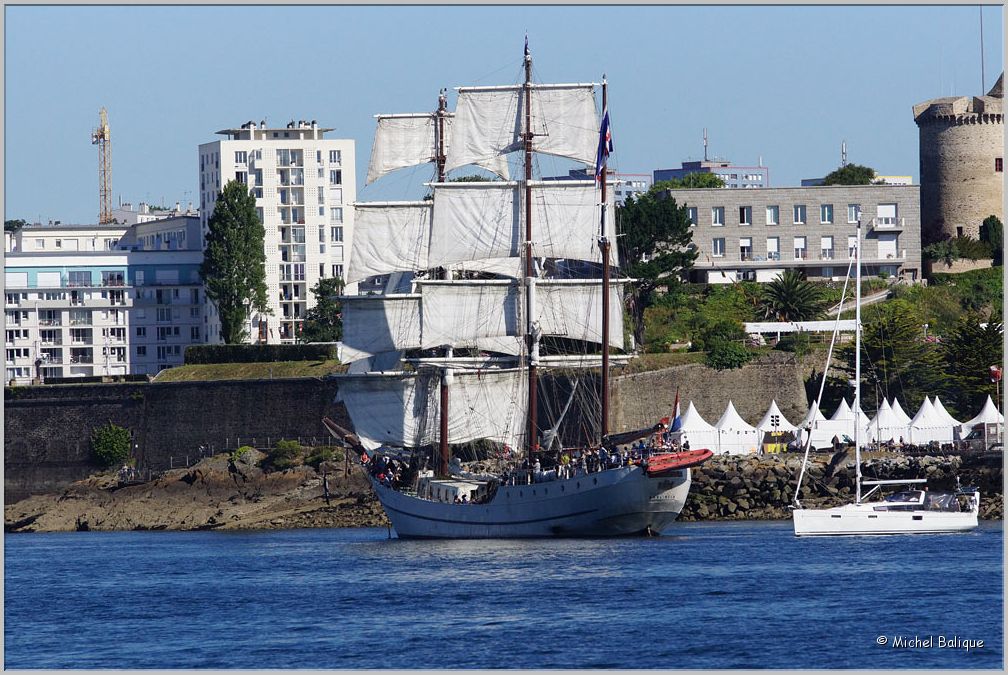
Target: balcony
(826,254)
(888,224)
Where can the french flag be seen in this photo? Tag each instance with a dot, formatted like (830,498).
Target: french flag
(676,415)
(604,147)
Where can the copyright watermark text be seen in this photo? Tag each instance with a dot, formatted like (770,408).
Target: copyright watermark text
(928,642)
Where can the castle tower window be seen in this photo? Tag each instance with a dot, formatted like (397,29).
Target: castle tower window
(998,165)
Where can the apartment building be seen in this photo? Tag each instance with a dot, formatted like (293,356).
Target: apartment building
(734,176)
(756,234)
(304,186)
(624,184)
(76,313)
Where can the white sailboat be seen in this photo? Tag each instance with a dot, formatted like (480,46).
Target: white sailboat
(909,511)
(476,280)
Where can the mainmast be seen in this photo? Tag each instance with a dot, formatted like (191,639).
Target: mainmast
(446,373)
(857,365)
(604,249)
(530,332)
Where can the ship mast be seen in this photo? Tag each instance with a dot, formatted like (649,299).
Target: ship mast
(446,373)
(530,332)
(604,249)
(857,366)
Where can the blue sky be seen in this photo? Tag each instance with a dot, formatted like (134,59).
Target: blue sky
(787,84)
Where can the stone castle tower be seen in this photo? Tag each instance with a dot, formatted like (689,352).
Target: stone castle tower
(961,163)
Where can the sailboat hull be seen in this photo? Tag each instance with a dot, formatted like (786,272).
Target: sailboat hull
(863,519)
(612,503)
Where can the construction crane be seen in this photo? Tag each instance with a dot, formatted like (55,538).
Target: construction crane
(102,138)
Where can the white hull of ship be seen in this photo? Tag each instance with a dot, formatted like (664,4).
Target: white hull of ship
(863,519)
(612,503)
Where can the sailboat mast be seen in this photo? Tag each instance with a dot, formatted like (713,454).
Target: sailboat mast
(533,346)
(857,365)
(446,373)
(604,249)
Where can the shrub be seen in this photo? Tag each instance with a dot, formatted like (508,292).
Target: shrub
(722,330)
(325,453)
(285,454)
(110,444)
(723,354)
(239,453)
(797,343)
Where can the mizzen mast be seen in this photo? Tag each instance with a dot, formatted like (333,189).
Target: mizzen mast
(604,245)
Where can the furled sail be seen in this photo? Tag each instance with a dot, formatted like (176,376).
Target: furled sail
(389,237)
(404,140)
(404,409)
(489,120)
(461,313)
(476,221)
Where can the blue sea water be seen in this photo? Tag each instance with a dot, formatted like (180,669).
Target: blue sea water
(706,595)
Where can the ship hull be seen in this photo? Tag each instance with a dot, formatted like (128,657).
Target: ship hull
(613,503)
(863,519)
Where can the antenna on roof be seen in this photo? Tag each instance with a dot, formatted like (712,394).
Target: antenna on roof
(705,144)
(983,79)
(843,154)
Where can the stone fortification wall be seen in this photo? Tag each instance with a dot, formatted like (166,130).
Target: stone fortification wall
(47,429)
(960,139)
(642,399)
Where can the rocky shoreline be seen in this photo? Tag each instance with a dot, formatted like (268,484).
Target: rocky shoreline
(219,493)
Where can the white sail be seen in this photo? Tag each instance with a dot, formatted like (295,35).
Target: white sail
(461,312)
(489,121)
(476,221)
(389,237)
(380,323)
(404,140)
(404,409)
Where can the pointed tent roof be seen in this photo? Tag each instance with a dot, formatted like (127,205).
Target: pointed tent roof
(732,421)
(693,421)
(843,412)
(884,412)
(988,414)
(813,415)
(940,409)
(927,416)
(898,411)
(784,425)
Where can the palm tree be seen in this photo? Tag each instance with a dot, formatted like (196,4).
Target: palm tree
(790,297)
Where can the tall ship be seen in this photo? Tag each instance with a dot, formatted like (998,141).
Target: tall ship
(483,328)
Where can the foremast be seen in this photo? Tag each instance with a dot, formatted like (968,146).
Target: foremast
(446,373)
(604,250)
(531,337)
(857,365)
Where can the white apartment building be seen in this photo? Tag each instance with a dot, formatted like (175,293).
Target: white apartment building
(84,312)
(304,186)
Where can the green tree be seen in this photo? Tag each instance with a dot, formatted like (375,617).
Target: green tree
(110,444)
(724,354)
(14,225)
(969,351)
(324,321)
(655,247)
(992,232)
(790,297)
(234,262)
(690,181)
(851,174)
(896,360)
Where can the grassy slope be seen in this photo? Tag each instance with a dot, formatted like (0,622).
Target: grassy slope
(250,371)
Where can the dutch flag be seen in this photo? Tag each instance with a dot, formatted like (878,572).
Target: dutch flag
(676,416)
(604,147)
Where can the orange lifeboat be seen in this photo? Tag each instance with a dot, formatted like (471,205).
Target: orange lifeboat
(658,465)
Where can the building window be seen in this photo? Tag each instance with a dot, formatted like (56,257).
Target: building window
(826,248)
(691,213)
(336,214)
(336,233)
(799,248)
(773,248)
(799,214)
(827,272)
(318,156)
(853,213)
(745,215)
(826,213)
(335,177)
(241,157)
(851,245)
(194,333)
(745,248)
(717,247)
(337,271)
(336,156)
(717,215)
(772,215)
(998,166)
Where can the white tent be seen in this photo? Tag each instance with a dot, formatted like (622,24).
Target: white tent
(887,425)
(940,409)
(812,415)
(735,435)
(839,426)
(988,415)
(898,411)
(929,425)
(766,424)
(696,430)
